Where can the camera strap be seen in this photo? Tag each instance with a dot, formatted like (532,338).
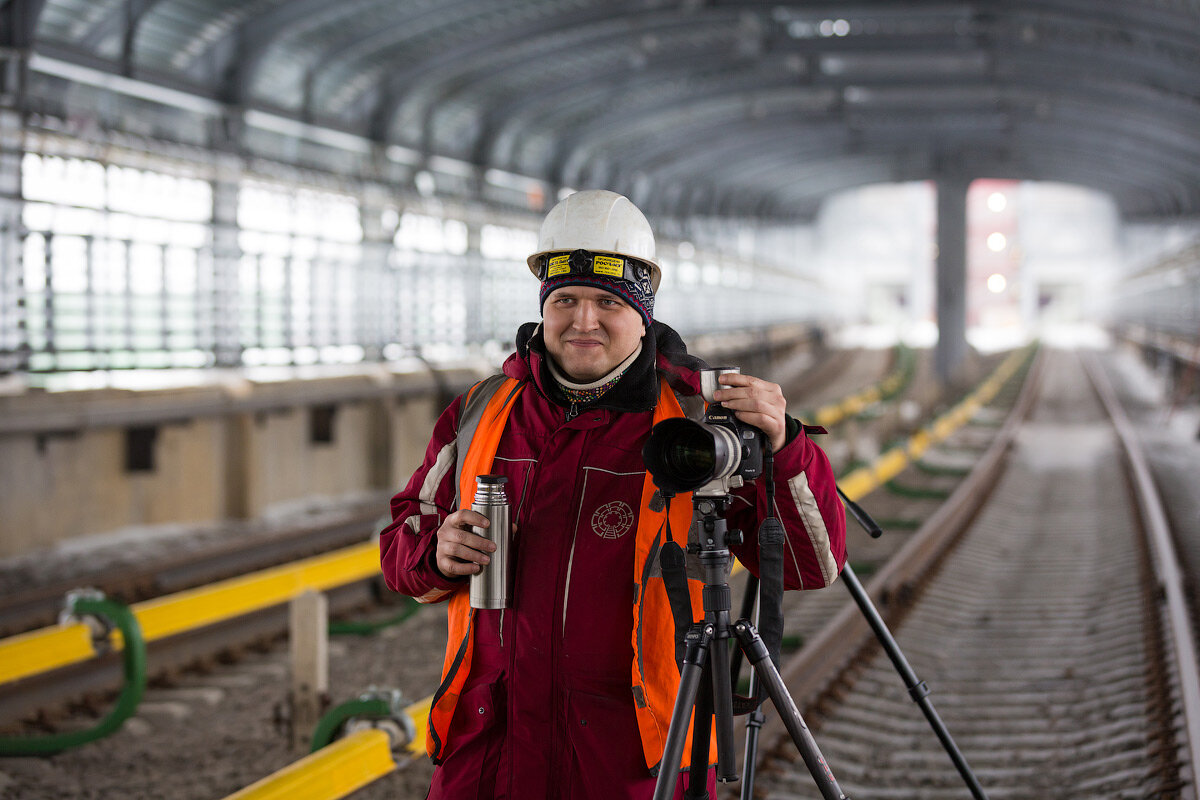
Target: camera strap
(673,562)
(771,537)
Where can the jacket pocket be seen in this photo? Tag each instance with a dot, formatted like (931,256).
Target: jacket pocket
(606,751)
(599,593)
(473,746)
(608,503)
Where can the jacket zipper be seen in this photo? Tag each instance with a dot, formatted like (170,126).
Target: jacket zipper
(556,645)
(576,499)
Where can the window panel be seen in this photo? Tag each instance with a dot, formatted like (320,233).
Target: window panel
(135,277)
(99,235)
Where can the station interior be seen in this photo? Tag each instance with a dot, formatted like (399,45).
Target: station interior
(249,251)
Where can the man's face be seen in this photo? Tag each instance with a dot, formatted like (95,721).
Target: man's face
(589,331)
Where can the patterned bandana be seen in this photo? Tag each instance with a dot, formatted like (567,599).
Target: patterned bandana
(583,393)
(584,396)
(637,291)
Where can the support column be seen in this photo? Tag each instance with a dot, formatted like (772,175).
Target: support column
(378,319)
(18,20)
(14,343)
(951,280)
(226,264)
(218,292)
(376,298)
(224,288)
(478,314)
(309,627)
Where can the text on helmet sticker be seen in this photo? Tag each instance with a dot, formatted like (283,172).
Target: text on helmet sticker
(559,265)
(605,265)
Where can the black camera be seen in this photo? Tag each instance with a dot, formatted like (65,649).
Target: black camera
(683,454)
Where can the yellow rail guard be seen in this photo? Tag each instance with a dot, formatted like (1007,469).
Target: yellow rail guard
(57,646)
(419,712)
(332,772)
(335,770)
(43,650)
(864,480)
(829,415)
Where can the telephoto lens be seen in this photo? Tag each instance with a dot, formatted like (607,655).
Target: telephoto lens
(717,453)
(682,454)
(489,586)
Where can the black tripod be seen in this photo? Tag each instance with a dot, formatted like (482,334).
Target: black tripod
(707,660)
(917,688)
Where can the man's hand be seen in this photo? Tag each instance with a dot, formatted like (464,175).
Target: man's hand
(460,551)
(756,402)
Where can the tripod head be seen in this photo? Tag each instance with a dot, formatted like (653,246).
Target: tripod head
(708,531)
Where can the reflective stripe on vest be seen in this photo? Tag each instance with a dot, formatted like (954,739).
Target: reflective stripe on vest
(484,424)
(655,675)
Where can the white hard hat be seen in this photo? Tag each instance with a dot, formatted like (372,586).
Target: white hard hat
(601,222)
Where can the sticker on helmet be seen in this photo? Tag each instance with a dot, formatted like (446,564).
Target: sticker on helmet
(559,265)
(612,267)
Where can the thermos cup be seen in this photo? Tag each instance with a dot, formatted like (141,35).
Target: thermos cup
(489,586)
(709,382)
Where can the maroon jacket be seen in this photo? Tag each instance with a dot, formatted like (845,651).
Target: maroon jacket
(547,709)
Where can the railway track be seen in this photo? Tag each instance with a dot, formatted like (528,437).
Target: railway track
(1039,634)
(380,663)
(28,602)
(87,686)
(37,606)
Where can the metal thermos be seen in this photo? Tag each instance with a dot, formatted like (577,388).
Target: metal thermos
(489,586)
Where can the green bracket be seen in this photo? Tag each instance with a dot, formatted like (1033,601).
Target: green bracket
(109,614)
(378,705)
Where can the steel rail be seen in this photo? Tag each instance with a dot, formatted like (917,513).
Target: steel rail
(866,479)
(53,647)
(1168,574)
(90,680)
(830,414)
(333,771)
(888,465)
(813,672)
(37,607)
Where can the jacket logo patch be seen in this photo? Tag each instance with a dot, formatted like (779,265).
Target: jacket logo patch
(612,520)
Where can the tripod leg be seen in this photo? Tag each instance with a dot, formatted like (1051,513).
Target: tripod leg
(685,700)
(749,601)
(723,708)
(701,734)
(754,722)
(756,652)
(917,689)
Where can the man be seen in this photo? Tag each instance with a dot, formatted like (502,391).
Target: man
(568,692)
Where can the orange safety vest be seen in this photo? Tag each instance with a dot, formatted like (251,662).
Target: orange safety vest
(655,673)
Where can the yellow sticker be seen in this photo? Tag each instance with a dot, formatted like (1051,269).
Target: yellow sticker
(559,265)
(612,267)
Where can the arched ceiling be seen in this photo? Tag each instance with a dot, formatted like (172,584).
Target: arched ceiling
(730,107)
